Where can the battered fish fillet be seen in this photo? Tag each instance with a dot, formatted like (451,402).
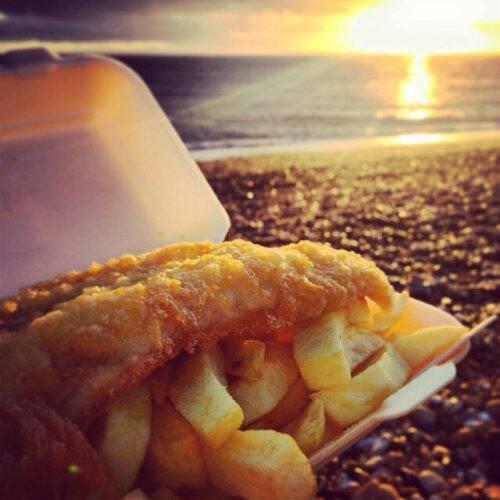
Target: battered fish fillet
(97,332)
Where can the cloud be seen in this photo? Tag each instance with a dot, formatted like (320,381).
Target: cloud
(197,26)
(68,9)
(32,26)
(194,26)
(100,46)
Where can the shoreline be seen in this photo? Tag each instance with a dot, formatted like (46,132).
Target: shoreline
(383,144)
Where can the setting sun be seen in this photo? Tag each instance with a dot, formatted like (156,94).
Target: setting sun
(423,27)
(415,91)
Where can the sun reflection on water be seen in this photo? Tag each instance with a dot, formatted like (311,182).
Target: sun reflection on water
(416,90)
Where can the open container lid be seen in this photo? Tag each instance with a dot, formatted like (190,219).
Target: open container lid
(91,168)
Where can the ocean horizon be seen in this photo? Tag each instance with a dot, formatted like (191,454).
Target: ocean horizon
(220,103)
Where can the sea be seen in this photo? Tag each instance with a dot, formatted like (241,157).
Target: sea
(225,103)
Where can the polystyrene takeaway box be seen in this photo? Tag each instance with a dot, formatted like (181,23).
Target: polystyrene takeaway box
(91,168)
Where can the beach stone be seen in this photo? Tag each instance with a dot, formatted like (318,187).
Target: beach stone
(416,496)
(436,401)
(436,467)
(365,444)
(424,418)
(409,475)
(463,493)
(381,444)
(348,487)
(474,475)
(492,444)
(463,437)
(439,452)
(399,443)
(493,408)
(394,460)
(383,474)
(492,492)
(463,457)
(452,406)
(374,490)
(360,475)
(374,463)
(431,482)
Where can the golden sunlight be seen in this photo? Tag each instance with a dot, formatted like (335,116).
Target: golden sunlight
(416,90)
(420,27)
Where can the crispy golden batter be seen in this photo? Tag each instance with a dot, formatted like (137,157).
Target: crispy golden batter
(102,330)
(35,300)
(90,347)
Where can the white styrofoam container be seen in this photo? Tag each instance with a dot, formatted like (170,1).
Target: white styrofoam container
(90,168)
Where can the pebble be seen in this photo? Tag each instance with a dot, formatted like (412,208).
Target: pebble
(424,418)
(463,437)
(416,496)
(463,493)
(374,490)
(492,444)
(436,401)
(431,482)
(452,406)
(440,452)
(463,457)
(493,408)
(374,463)
(360,475)
(348,487)
(436,467)
(394,460)
(493,492)
(383,474)
(474,475)
(380,445)
(409,475)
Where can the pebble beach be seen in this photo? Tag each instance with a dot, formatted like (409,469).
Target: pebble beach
(429,217)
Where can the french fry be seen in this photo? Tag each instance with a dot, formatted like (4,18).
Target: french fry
(358,313)
(384,319)
(421,346)
(159,381)
(289,406)
(320,354)
(215,359)
(261,465)
(282,354)
(259,397)
(201,397)
(245,358)
(124,434)
(174,457)
(395,365)
(359,345)
(308,429)
(347,403)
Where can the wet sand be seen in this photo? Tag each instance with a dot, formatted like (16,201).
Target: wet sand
(429,216)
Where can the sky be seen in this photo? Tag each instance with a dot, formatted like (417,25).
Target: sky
(253,26)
